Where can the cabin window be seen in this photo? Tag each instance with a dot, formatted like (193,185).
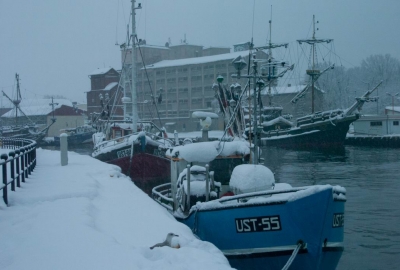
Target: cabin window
(118,133)
(395,123)
(375,123)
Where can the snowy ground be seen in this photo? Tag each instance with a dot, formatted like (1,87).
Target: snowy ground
(88,215)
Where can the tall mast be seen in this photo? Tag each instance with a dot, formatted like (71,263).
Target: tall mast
(313,72)
(270,59)
(313,67)
(133,81)
(17,101)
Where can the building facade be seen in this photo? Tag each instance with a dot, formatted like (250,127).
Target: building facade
(179,79)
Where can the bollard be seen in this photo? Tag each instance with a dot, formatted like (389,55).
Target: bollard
(64,149)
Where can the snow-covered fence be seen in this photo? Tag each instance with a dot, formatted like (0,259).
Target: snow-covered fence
(21,158)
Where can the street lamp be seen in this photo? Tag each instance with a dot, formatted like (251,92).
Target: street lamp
(393,96)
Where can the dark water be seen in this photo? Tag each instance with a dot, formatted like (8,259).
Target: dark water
(371,177)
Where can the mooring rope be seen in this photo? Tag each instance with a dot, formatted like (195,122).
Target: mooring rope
(293,256)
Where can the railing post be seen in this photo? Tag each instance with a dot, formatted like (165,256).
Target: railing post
(29,156)
(12,171)
(4,169)
(188,186)
(22,159)
(17,153)
(34,156)
(26,162)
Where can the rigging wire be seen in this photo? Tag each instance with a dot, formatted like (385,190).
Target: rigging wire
(148,80)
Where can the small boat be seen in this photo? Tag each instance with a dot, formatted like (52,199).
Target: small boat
(78,135)
(255,222)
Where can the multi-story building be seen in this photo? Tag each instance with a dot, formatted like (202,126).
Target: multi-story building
(178,79)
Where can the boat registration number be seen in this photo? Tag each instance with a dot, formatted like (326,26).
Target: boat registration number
(338,220)
(258,224)
(124,153)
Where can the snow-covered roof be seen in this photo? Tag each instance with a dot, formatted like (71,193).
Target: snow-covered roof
(100,71)
(110,86)
(154,47)
(198,60)
(33,107)
(393,108)
(208,151)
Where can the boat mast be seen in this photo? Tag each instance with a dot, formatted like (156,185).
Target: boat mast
(17,101)
(313,67)
(133,68)
(313,72)
(269,60)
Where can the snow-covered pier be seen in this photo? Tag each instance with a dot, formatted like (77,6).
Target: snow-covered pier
(87,215)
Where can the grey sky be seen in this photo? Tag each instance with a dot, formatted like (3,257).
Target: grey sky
(54,45)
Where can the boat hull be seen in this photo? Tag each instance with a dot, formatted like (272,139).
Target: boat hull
(76,139)
(319,135)
(252,238)
(147,167)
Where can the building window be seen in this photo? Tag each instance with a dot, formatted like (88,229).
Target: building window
(169,71)
(182,79)
(171,80)
(376,123)
(395,123)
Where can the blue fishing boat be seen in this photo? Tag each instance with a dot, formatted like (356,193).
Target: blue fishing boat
(255,222)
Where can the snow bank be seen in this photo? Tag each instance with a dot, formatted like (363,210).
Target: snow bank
(87,215)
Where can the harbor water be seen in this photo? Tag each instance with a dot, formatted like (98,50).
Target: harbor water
(371,177)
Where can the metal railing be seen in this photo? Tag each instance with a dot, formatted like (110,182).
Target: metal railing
(21,160)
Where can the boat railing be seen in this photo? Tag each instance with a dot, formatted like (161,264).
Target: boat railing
(259,194)
(163,195)
(125,140)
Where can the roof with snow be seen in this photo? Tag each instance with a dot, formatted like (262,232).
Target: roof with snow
(198,60)
(100,71)
(110,86)
(393,108)
(33,107)
(153,46)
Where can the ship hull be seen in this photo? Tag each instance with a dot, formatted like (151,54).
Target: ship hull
(319,135)
(147,167)
(265,236)
(76,139)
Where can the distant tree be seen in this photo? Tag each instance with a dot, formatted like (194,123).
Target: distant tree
(336,85)
(374,69)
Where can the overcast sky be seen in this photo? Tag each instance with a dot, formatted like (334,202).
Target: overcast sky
(54,45)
